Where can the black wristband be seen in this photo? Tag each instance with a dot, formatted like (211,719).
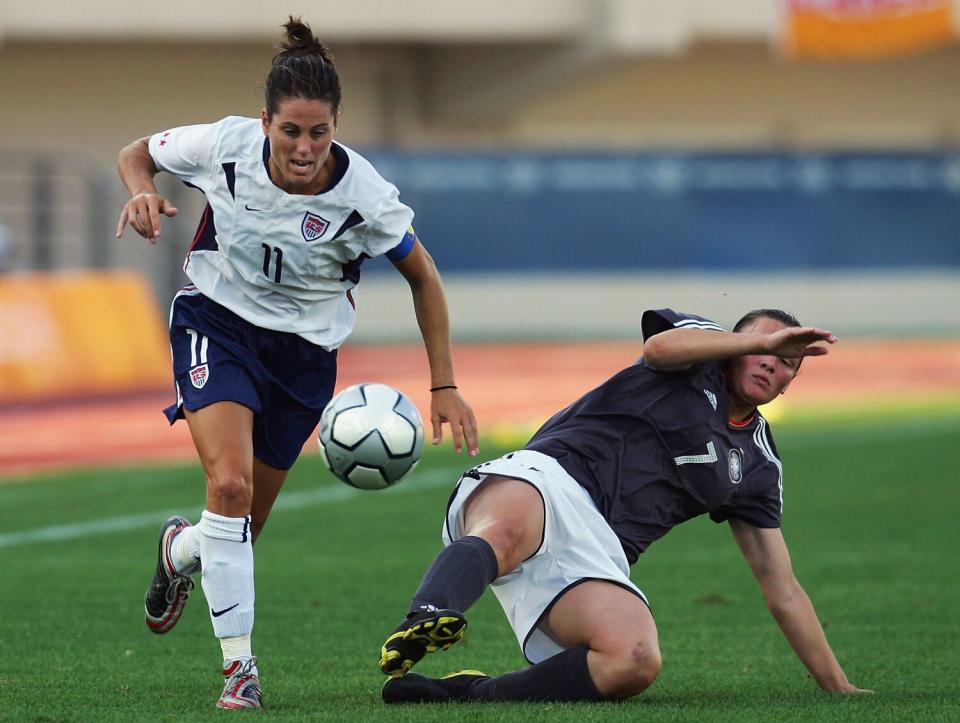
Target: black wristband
(444,386)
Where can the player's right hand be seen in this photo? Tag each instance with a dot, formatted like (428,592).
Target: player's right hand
(851,689)
(142,212)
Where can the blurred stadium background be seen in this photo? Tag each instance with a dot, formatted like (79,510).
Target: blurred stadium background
(571,162)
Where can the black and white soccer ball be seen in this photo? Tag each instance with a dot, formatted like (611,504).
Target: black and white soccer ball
(371,436)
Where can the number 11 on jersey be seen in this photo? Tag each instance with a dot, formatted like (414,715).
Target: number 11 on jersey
(269,251)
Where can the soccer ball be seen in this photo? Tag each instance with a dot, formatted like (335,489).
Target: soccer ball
(371,436)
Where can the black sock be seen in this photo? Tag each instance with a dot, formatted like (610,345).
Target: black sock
(457,576)
(564,677)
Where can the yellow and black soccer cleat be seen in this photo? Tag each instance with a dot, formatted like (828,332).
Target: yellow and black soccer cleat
(425,632)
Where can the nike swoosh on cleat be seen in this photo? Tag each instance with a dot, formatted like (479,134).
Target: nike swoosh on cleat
(218,613)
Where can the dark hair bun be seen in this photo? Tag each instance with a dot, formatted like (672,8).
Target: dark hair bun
(303,68)
(300,40)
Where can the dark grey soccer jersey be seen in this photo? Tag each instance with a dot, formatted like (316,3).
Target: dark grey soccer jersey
(655,448)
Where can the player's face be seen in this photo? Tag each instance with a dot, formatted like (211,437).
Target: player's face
(300,134)
(756,379)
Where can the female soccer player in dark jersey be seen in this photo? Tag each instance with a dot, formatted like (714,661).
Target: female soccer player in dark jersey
(291,215)
(554,528)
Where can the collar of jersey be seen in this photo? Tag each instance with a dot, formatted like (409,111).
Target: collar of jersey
(745,423)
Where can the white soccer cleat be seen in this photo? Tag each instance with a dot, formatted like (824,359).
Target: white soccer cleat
(241,688)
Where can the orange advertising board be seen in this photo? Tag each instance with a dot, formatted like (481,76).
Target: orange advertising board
(79,335)
(864,29)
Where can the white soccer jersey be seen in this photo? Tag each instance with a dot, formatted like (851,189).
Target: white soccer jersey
(281,261)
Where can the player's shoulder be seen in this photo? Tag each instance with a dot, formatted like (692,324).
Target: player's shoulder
(227,139)
(239,126)
(362,184)
(238,134)
(240,122)
(358,161)
(655,321)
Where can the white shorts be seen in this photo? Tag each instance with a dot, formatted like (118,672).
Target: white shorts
(578,545)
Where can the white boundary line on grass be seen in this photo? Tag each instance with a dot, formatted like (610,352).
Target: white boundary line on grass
(289,501)
(430,480)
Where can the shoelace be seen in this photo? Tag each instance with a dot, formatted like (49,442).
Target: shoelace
(180,587)
(245,669)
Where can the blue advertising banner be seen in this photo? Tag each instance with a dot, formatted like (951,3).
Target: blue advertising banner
(681,211)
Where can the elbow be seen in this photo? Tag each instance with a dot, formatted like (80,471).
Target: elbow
(669,350)
(138,149)
(129,149)
(655,353)
(662,353)
(122,158)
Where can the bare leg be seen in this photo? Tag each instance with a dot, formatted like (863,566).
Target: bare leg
(267,482)
(508,514)
(618,630)
(223,436)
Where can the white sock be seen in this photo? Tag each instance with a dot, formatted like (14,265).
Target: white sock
(226,553)
(185,551)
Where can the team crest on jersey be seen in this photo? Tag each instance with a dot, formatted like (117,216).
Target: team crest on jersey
(313,226)
(712,398)
(735,465)
(199,376)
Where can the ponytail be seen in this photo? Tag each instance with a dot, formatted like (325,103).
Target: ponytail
(303,68)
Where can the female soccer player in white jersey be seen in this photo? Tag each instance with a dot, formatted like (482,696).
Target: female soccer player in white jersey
(553,528)
(290,217)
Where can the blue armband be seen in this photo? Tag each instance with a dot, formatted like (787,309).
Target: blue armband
(403,249)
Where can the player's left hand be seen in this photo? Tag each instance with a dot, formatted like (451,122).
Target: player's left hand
(448,406)
(799,341)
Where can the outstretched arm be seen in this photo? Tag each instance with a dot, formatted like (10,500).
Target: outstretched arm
(677,349)
(142,212)
(766,552)
(430,305)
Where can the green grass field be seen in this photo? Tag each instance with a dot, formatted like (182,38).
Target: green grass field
(870,515)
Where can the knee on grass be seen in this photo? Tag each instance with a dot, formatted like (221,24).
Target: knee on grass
(628,671)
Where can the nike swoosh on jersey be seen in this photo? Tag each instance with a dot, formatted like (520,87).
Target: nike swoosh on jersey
(251,209)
